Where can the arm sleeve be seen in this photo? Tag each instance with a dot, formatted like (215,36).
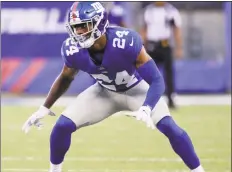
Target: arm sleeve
(150,73)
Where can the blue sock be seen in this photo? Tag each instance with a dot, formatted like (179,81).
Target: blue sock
(60,139)
(180,141)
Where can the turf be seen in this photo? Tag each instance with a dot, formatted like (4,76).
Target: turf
(118,144)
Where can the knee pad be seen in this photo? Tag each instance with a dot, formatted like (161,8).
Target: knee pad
(169,128)
(65,124)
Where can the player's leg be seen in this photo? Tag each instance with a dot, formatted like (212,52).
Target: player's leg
(169,75)
(90,107)
(60,140)
(178,138)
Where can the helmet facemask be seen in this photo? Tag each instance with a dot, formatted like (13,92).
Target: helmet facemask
(88,38)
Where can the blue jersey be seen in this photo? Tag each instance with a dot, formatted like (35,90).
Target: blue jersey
(117,71)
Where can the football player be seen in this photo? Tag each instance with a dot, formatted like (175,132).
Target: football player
(127,79)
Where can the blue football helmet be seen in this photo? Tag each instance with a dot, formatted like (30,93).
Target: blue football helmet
(87,14)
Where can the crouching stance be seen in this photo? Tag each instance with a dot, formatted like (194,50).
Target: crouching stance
(126,79)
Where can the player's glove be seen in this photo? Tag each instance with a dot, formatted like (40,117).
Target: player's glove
(35,118)
(143,114)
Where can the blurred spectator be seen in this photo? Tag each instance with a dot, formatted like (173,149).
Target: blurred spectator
(116,14)
(160,19)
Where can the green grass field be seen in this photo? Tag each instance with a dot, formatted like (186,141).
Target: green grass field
(118,144)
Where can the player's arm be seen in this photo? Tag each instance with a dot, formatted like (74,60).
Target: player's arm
(60,85)
(143,30)
(148,70)
(68,52)
(177,33)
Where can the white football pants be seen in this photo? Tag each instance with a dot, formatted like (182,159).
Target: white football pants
(97,103)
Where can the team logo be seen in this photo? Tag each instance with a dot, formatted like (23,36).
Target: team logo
(98,7)
(74,16)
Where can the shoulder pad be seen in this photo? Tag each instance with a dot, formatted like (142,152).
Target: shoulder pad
(69,48)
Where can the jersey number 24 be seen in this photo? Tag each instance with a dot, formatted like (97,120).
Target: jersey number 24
(119,41)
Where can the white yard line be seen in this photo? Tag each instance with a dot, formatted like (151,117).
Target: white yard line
(112,159)
(88,170)
(91,170)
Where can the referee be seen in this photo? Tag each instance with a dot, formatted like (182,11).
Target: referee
(160,20)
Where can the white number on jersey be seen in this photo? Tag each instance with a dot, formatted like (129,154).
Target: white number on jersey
(121,78)
(118,42)
(72,48)
(124,78)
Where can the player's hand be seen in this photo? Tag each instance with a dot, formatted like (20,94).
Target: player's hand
(35,118)
(143,114)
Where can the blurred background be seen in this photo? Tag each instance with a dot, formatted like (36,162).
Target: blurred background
(31,44)
(31,38)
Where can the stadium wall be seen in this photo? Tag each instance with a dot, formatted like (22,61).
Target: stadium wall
(35,76)
(31,53)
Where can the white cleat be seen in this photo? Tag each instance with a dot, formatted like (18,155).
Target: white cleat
(198,169)
(55,168)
